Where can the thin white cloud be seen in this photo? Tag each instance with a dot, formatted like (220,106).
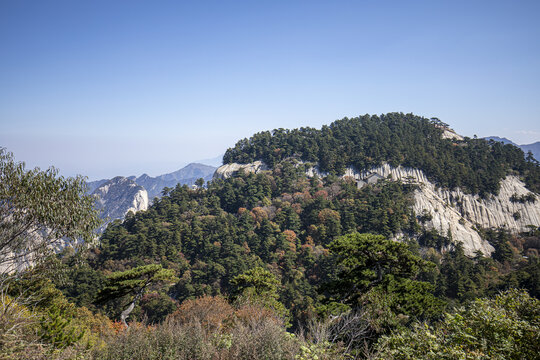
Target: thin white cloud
(526,136)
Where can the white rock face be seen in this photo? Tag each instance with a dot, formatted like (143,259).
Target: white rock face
(450,209)
(451,134)
(459,212)
(227,170)
(117,197)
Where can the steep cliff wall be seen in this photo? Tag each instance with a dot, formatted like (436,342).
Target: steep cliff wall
(450,210)
(461,213)
(116,197)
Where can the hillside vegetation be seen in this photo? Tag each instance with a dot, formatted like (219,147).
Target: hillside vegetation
(277,265)
(475,165)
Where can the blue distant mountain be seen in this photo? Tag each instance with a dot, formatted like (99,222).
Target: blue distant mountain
(534,147)
(185,176)
(154,185)
(501,139)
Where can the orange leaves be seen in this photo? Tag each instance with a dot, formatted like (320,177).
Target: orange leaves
(212,312)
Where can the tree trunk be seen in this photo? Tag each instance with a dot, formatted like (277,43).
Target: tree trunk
(125,314)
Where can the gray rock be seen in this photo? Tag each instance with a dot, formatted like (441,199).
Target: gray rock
(451,209)
(228,170)
(116,197)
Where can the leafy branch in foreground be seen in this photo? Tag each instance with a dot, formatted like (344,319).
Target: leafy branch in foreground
(505,327)
(37,209)
(133,283)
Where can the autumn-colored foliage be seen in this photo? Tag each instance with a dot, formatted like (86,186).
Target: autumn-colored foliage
(212,312)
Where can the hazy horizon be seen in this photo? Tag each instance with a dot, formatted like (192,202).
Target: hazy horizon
(104,88)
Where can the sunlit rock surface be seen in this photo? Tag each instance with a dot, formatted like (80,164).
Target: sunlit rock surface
(451,210)
(116,197)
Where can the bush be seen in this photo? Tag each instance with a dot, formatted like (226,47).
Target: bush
(206,328)
(174,339)
(211,312)
(505,327)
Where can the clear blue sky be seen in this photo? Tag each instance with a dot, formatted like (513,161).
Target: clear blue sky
(104,88)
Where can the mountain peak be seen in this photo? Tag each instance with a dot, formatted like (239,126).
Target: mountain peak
(501,139)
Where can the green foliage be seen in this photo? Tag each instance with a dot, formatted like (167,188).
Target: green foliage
(378,279)
(255,283)
(37,209)
(56,330)
(475,165)
(259,286)
(318,351)
(278,218)
(156,307)
(366,261)
(529,198)
(505,327)
(134,281)
(526,276)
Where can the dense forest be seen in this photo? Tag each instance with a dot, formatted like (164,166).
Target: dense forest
(277,265)
(475,165)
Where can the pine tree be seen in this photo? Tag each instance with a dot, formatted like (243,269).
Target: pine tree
(133,283)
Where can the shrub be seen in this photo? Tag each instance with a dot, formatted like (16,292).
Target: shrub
(212,312)
(505,327)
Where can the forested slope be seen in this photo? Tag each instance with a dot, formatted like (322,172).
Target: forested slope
(285,222)
(229,270)
(475,165)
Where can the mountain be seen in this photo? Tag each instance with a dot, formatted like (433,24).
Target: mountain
(501,139)
(185,176)
(93,185)
(534,147)
(293,201)
(217,161)
(118,196)
(464,184)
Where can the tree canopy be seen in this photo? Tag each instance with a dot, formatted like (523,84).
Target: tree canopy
(368,263)
(475,165)
(503,327)
(37,209)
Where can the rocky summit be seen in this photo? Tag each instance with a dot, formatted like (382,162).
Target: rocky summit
(118,196)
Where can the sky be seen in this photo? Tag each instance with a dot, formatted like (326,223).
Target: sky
(106,88)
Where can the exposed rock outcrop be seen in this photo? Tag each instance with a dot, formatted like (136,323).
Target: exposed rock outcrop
(460,213)
(187,175)
(116,197)
(451,134)
(450,210)
(227,170)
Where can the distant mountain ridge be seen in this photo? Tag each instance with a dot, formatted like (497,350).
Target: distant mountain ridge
(116,197)
(154,185)
(534,147)
(185,176)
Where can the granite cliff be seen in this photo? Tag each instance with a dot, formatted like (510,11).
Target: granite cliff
(448,210)
(116,197)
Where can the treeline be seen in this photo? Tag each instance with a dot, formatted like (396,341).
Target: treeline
(475,165)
